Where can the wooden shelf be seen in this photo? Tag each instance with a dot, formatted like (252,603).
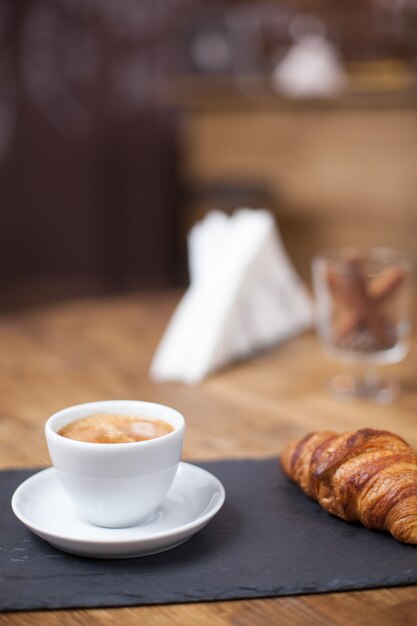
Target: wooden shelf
(194,93)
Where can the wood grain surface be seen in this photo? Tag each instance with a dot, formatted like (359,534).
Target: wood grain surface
(101,349)
(343,174)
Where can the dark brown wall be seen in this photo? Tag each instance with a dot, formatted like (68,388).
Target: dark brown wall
(89,189)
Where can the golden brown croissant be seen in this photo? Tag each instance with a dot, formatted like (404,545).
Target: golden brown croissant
(368,476)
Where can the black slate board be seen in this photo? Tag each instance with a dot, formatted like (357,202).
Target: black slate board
(268,540)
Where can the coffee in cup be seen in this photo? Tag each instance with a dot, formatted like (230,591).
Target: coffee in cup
(110,428)
(116,483)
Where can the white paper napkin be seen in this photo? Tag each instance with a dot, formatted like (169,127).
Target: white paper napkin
(244,296)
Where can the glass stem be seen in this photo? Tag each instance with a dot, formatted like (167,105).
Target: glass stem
(366,379)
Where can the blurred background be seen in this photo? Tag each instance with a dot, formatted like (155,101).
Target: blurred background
(123,121)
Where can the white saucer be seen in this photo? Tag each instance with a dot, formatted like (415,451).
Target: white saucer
(193,499)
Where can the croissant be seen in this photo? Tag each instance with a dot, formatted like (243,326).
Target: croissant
(368,476)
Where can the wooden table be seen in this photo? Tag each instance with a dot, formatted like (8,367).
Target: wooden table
(101,349)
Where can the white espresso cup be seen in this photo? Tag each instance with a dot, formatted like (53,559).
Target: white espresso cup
(116,484)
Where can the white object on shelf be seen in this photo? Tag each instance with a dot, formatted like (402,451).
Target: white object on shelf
(244,296)
(311,68)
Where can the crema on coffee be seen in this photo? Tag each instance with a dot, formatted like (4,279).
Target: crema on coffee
(110,428)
